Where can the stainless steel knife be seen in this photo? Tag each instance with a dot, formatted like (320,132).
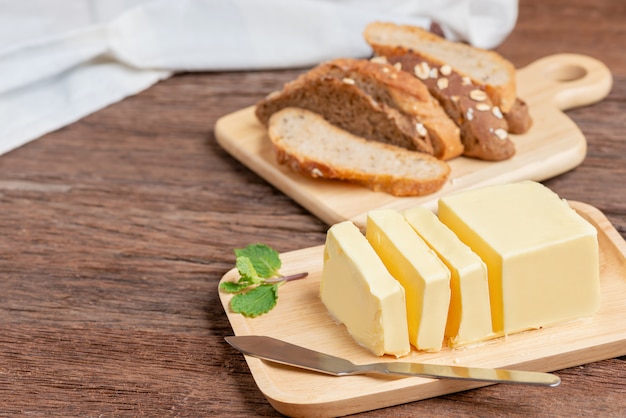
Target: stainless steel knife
(278,351)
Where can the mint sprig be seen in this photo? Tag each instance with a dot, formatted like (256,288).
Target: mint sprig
(256,291)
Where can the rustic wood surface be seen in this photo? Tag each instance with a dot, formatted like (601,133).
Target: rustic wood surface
(117,229)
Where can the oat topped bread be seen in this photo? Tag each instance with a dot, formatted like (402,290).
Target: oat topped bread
(373,100)
(310,145)
(483,67)
(476,87)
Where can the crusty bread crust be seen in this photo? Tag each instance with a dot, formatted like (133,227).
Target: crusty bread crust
(472,95)
(373,100)
(483,126)
(310,145)
(483,67)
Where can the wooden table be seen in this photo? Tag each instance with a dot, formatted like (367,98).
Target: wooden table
(117,229)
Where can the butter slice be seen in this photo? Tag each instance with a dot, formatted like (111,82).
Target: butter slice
(542,257)
(426,280)
(469,315)
(359,292)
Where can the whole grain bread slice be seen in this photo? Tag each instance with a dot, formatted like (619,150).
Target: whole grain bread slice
(312,146)
(476,87)
(373,100)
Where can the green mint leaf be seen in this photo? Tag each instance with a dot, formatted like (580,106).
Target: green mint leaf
(255,302)
(265,259)
(233,287)
(246,270)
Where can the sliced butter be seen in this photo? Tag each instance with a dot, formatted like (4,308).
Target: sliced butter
(542,257)
(359,292)
(469,316)
(426,280)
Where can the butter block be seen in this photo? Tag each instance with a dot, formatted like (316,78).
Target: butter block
(542,257)
(426,280)
(360,293)
(469,315)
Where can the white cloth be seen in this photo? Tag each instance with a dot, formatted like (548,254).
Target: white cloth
(63,59)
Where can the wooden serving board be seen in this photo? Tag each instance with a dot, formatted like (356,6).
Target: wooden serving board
(552,146)
(301,318)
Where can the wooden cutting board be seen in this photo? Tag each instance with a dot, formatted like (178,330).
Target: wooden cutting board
(301,318)
(552,146)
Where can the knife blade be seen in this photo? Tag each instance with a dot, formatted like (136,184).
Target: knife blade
(278,351)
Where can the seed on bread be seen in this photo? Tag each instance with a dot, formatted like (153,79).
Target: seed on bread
(422,70)
(379,60)
(421,130)
(442,83)
(478,95)
(501,133)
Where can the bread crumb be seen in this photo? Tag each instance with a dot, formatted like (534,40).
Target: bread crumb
(466,81)
(442,83)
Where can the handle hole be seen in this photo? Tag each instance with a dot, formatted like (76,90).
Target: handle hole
(567,73)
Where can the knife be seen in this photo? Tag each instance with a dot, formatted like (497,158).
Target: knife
(271,349)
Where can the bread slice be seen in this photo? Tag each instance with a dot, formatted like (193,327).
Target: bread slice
(476,87)
(312,146)
(483,67)
(375,101)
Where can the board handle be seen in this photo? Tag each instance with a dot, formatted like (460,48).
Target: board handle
(567,80)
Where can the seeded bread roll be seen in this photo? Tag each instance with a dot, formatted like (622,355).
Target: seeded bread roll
(312,146)
(375,101)
(476,87)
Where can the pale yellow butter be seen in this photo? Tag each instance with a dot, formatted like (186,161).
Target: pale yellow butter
(469,315)
(426,280)
(542,257)
(359,292)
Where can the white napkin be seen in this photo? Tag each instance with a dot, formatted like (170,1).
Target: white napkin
(61,60)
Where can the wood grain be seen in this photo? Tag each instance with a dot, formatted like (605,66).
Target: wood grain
(302,319)
(116,230)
